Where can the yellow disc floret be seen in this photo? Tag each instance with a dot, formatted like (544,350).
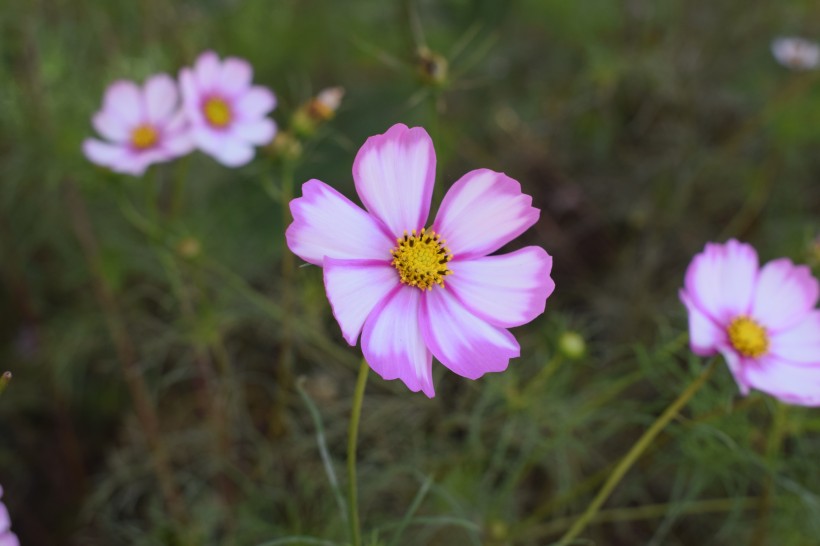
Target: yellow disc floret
(144,137)
(421,259)
(217,112)
(748,337)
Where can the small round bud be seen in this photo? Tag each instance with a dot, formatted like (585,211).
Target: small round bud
(189,248)
(432,67)
(572,345)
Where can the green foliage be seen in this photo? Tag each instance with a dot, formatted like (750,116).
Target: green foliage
(642,130)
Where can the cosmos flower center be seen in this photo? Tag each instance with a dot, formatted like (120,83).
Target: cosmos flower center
(748,337)
(217,112)
(421,259)
(144,137)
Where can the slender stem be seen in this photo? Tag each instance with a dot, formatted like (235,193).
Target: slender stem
(648,511)
(640,446)
(773,448)
(352,437)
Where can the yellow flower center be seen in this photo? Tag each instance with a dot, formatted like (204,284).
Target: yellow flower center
(144,136)
(217,112)
(748,337)
(421,259)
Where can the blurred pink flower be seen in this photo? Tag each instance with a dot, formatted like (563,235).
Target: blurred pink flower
(227,113)
(762,320)
(411,294)
(796,53)
(7,538)
(143,126)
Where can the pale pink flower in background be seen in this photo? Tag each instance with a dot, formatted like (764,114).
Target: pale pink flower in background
(7,538)
(415,292)
(796,53)
(227,113)
(143,126)
(762,320)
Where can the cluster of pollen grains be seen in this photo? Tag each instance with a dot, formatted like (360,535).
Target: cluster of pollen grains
(421,259)
(217,112)
(144,137)
(748,337)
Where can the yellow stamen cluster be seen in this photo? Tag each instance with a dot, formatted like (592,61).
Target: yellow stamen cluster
(144,137)
(748,337)
(217,112)
(421,259)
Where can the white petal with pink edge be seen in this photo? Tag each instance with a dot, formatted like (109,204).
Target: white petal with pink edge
(483,211)
(123,99)
(507,290)
(790,383)
(721,280)
(111,126)
(258,132)
(103,153)
(392,343)
(236,75)
(784,294)
(705,335)
(207,71)
(800,343)
(160,93)
(227,150)
(460,340)
(326,223)
(394,175)
(256,102)
(354,288)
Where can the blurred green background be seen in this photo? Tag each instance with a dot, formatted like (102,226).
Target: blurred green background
(642,128)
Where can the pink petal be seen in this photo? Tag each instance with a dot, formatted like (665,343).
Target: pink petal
(160,97)
(784,294)
(483,211)
(226,149)
(123,100)
(354,287)
(736,365)
(235,76)
(103,153)
(800,343)
(326,223)
(705,336)
(111,126)
(207,70)
(461,341)
(191,96)
(5,521)
(392,343)
(787,382)
(721,279)
(259,132)
(9,539)
(257,102)
(394,175)
(179,144)
(507,290)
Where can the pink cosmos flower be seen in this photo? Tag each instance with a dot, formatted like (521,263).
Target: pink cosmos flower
(7,538)
(415,292)
(762,320)
(226,112)
(143,126)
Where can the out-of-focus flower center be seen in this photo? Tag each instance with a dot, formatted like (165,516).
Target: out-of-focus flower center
(217,112)
(144,137)
(421,259)
(748,337)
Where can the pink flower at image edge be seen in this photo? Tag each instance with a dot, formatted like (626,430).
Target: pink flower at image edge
(142,125)
(7,538)
(414,292)
(226,112)
(762,320)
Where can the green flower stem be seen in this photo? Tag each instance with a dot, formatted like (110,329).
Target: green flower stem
(352,437)
(632,456)
(773,449)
